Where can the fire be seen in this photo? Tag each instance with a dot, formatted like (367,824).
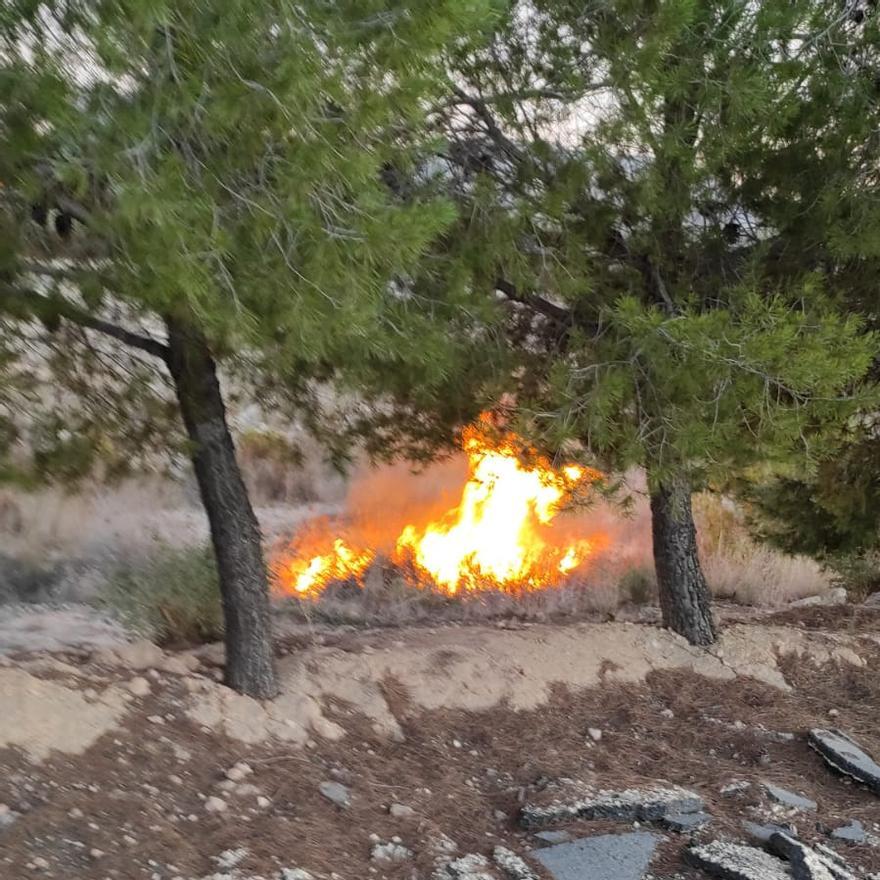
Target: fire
(499,536)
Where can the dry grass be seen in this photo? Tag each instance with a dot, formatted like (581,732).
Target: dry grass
(112,525)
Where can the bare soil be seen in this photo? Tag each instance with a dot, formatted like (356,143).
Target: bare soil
(132,805)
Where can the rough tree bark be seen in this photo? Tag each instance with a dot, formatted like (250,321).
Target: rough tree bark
(235,533)
(685,601)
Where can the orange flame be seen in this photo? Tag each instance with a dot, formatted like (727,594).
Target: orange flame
(500,535)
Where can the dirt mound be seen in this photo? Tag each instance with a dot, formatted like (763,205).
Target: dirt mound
(477,668)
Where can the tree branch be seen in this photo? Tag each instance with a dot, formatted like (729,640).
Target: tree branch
(560,314)
(29,304)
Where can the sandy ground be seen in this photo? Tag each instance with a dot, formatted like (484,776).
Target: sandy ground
(119,762)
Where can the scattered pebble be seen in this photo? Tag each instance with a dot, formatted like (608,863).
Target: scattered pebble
(239,771)
(595,734)
(138,686)
(390,852)
(215,804)
(336,792)
(401,811)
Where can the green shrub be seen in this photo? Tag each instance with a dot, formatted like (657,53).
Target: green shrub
(858,573)
(171,597)
(639,586)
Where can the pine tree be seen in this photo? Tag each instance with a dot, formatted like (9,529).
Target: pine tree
(626,172)
(202,184)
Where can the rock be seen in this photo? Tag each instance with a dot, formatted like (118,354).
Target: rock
(40,863)
(684,822)
(401,811)
(837,596)
(263,802)
(390,852)
(736,861)
(585,802)
(595,734)
(854,832)
(470,867)
(512,865)
(807,863)
(7,816)
(336,792)
(873,601)
(788,798)
(141,654)
(179,664)
(846,756)
(667,713)
(295,874)
(604,857)
(138,686)
(735,787)
(96,853)
(239,771)
(554,836)
(215,804)
(763,833)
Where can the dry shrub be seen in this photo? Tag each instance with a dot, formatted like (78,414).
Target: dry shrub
(745,571)
(283,469)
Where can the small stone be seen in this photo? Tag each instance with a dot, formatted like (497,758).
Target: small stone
(667,713)
(295,874)
(390,852)
(735,787)
(40,863)
(138,686)
(401,811)
(336,792)
(788,798)
(75,813)
(263,802)
(155,719)
(239,771)
(595,734)
(215,804)
(7,816)
(834,712)
(456,744)
(96,853)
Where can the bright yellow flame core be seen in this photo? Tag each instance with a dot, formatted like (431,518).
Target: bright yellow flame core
(497,537)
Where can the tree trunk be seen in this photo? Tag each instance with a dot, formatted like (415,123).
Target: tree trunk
(235,533)
(684,595)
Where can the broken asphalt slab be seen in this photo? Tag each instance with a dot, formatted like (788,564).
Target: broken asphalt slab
(604,857)
(807,863)
(853,832)
(788,798)
(685,822)
(846,756)
(630,805)
(736,861)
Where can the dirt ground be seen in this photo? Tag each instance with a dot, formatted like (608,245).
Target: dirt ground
(127,781)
